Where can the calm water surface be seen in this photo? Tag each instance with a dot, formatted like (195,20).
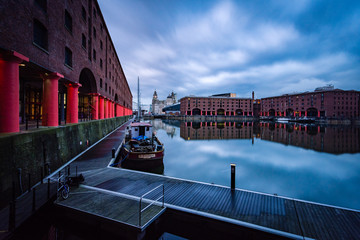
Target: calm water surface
(313,163)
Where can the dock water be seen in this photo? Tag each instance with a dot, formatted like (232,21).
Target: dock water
(111,196)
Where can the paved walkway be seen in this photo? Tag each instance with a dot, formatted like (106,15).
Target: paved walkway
(96,157)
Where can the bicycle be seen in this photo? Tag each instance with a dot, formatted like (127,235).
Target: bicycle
(64,189)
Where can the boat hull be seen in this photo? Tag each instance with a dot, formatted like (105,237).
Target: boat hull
(142,156)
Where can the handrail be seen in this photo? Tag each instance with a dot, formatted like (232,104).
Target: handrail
(152,202)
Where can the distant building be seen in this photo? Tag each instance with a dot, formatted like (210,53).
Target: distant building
(220,104)
(323,102)
(158,105)
(172,109)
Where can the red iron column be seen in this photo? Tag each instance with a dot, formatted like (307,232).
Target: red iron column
(50,99)
(72,101)
(106,108)
(109,108)
(9,91)
(117,110)
(94,106)
(112,109)
(101,107)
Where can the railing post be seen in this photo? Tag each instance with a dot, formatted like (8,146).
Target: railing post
(233,176)
(76,171)
(42,175)
(34,199)
(48,189)
(140,212)
(68,170)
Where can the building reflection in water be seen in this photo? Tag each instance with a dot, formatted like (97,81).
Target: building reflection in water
(330,139)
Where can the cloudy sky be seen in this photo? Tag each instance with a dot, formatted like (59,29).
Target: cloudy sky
(204,47)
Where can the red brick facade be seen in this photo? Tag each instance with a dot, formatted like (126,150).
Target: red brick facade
(66,37)
(216,106)
(331,104)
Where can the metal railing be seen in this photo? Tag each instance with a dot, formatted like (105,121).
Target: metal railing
(151,202)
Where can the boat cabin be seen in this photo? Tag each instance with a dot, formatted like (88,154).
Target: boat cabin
(141,129)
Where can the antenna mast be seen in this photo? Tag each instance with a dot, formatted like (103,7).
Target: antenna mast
(139,104)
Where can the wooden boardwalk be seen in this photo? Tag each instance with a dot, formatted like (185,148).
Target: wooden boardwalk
(296,218)
(112,206)
(284,216)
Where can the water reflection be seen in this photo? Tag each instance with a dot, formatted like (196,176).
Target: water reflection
(312,162)
(330,139)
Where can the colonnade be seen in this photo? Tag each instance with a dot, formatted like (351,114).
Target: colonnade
(101,107)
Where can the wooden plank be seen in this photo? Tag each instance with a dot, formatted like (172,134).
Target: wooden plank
(264,210)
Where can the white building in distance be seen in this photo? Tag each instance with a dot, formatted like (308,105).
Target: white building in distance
(158,105)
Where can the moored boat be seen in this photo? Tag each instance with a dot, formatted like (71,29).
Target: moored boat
(142,145)
(282,119)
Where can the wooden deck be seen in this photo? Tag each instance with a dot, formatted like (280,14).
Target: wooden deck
(277,215)
(294,218)
(116,207)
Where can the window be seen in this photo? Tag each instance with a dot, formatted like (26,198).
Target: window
(100,82)
(105,86)
(68,21)
(94,54)
(94,11)
(42,4)
(101,45)
(68,57)
(40,35)
(94,32)
(83,13)
(83,41)
(110,90)
(101,63)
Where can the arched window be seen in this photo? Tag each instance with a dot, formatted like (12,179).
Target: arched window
(68,21)
(83,13)
(40,35)
(83,41)
(68,57)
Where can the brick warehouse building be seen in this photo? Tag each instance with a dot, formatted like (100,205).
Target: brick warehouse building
(58,62)
(323,102)
(216,105)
